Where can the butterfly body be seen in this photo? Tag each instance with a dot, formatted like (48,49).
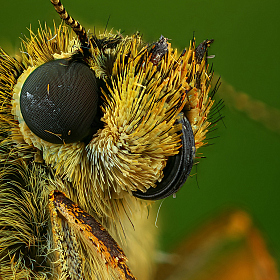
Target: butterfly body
(71,189)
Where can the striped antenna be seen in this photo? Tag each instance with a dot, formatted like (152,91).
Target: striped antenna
(78,29)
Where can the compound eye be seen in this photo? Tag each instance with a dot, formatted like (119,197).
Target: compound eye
(177,168)
(59,101)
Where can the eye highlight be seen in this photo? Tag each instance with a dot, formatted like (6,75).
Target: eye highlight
(59,100)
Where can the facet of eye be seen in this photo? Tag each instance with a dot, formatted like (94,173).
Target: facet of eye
(177,169)
(59,101)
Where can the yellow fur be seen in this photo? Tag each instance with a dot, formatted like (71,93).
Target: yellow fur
(140,133)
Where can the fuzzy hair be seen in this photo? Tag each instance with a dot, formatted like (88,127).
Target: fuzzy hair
(142,103)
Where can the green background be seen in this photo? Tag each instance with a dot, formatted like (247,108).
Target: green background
(242,167)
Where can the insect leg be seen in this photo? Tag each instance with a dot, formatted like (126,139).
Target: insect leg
(93,232)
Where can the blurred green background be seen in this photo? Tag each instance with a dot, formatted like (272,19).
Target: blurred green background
(242,167)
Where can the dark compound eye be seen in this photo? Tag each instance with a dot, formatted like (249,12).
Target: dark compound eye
(177,168)
(59,101)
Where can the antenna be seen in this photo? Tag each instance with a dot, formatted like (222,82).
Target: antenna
(75,25)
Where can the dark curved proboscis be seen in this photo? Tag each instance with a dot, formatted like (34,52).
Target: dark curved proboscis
(177,169)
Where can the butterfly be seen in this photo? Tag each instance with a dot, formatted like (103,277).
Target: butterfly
(93,129)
